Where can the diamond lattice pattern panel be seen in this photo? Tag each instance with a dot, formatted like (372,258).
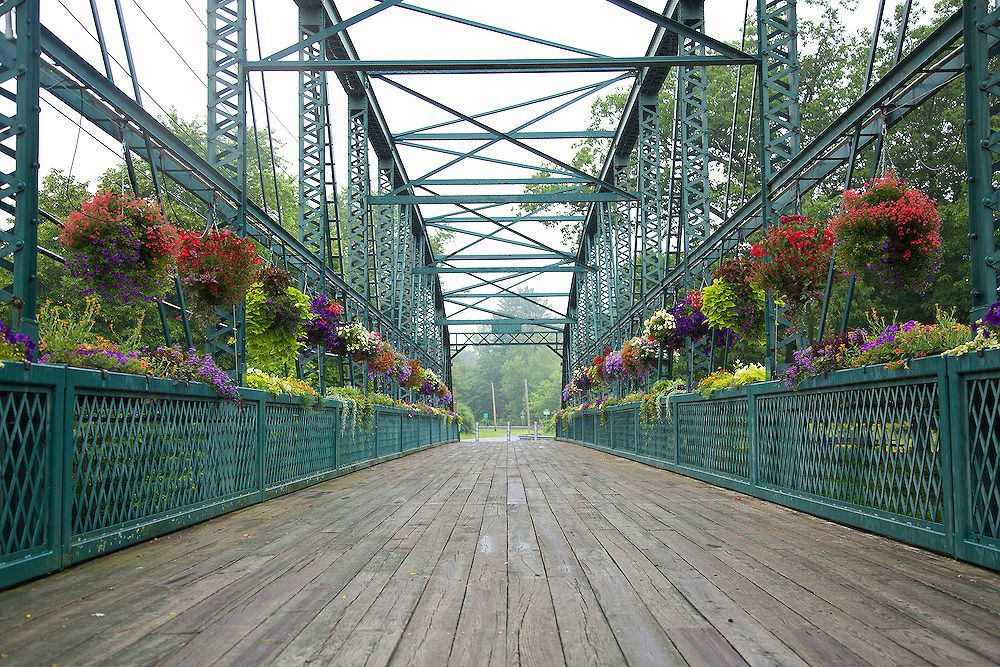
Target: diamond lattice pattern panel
(984,457)
(23,470)
(139,457)
(623,429)
(714,436)
(298,442)
(876,447)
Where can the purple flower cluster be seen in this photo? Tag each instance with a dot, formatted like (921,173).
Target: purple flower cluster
(991,320)
(690,320)
(110,358)
(826,355)
(400,371)
(176,364)
(614,367)
(428,388)
(321,328)
(111,267)
(888,336)
(20,341)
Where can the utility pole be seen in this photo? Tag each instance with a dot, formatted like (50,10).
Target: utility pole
(527,407)
(494,391)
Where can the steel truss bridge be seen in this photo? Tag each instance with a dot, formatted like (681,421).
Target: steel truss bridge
(650,227)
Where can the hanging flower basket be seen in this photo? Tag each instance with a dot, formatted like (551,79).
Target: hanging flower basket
(358,342)
(733,303)
(892,231)
(216,269)
(793,261)
(275,318)
(639,356)
(662,327)
(321,327)
(120,247)
(689,318)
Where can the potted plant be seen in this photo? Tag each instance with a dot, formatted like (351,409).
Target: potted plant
(358,342)
(639,356)
(732,302)
(121,247)
(275,319)
(662,327)
(216,269)
(793,260)
(321,327)
(892,230)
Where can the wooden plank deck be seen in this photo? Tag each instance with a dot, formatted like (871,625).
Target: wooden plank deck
(517,553)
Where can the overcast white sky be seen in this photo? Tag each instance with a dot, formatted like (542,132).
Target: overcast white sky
(168,42)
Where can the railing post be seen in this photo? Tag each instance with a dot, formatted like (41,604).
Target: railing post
(508,431)
(261,443)
(754,434)
(955,508)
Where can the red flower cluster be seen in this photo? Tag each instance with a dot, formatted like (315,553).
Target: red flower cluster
(121,245)
(891,230)
(794,258)
(216,269)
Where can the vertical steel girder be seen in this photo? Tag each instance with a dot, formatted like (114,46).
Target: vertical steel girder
(606,276)
(693,111)
(227,47)
(982,96)
(384,219)
(648,254)
(407,279)
(359,271)
(622,229)
(692,121)
(313,224)
(313,197)
(19,182)
(226,123)
(781,135)
(401,273)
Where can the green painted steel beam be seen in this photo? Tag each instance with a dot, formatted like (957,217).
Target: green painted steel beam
(329,32)
(499,257)
(524,320)
(481,158)
(484,237)
(684,31)
(452,295)
(587,89)
(512,66)
(506,137)
(506,218)
(501,181)
(478,136)
(498,30)
(503,269)
(517,198)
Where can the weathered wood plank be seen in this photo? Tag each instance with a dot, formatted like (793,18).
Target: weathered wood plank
(510,553)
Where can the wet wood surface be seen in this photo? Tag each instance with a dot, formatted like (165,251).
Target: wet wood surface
(519,553)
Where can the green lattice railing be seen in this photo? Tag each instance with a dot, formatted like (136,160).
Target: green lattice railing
(911,454)
(91,462)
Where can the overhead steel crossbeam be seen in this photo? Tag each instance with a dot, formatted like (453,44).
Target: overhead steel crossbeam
(79,86)
(512,66)
(930,66)
(551,339)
